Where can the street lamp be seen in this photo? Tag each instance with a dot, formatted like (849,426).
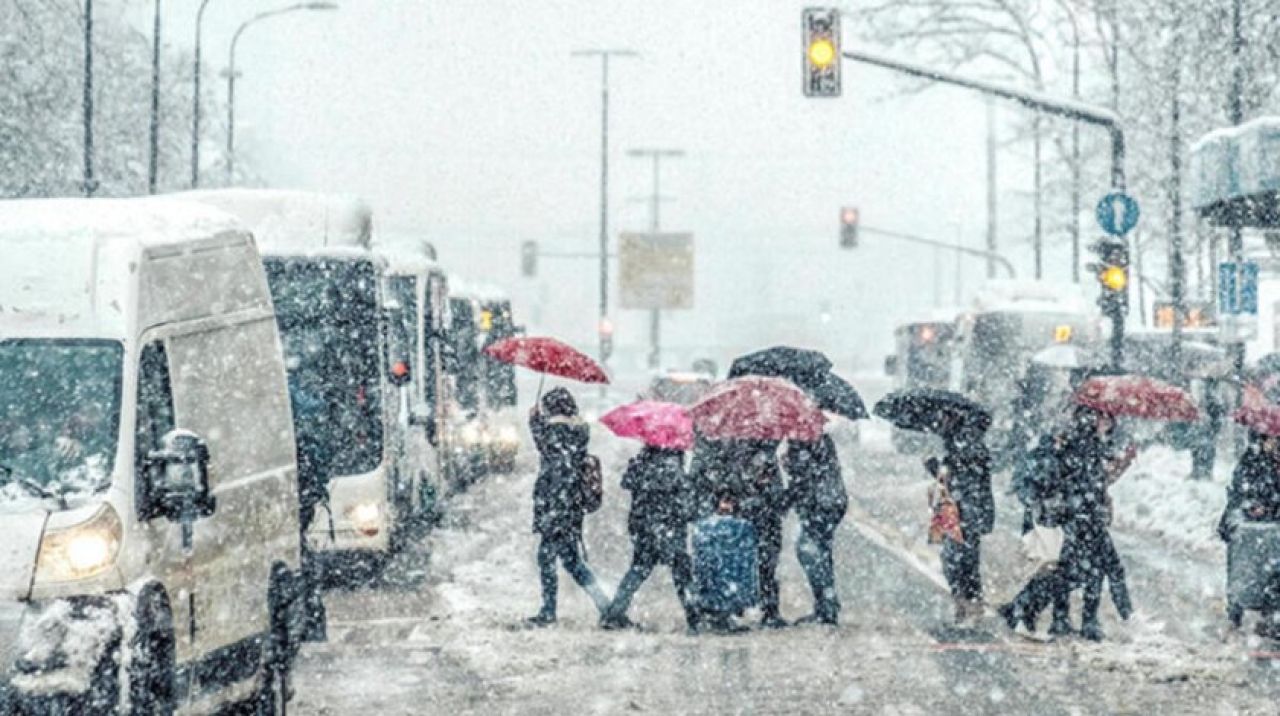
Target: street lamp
(195,101)
(606,342)
(231,70)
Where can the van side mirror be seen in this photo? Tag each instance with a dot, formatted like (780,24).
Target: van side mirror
(890,365)
(177,477)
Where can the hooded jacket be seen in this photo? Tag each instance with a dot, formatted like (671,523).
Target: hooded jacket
(816,490)
(660,496)
(557,493)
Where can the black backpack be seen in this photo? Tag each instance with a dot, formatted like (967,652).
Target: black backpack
(592,483)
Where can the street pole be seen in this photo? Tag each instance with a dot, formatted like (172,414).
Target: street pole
(1235,244)
(1177,268)
(231,72)
(153,163)
(90,184)
(992,219)
(195,100)
(1075,150)
(655,314)
(604,55)
(959,281)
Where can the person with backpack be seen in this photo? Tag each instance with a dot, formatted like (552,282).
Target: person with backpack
(658,523)
(764,504)
(567,488)
(818,494)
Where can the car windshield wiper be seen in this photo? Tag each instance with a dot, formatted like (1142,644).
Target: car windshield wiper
(31,486)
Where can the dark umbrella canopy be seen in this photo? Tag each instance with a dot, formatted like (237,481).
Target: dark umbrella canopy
(808,369)
(927,409)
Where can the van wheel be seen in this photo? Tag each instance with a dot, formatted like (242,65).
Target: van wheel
(151,659)
(277,654)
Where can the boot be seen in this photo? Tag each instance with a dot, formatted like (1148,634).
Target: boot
(1060,627)
(1091,630)
(773,620)
(612,621)
(545,617)
(598,596)
(1009,613)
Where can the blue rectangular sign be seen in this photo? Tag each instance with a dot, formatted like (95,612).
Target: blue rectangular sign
(1248,288)
(1227,288)
(1238,288)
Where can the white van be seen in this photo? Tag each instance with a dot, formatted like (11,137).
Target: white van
(149,537)
(330,296)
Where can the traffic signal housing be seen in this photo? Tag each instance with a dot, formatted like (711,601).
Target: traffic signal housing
(529,259)
(849,227)
(1112,270)
(821,52)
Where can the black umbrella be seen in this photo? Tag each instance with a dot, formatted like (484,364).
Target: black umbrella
(811,371)
(927,409)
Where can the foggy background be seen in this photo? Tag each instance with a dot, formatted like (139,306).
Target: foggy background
(470,125)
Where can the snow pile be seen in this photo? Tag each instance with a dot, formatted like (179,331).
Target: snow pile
(1016,296)
(1236,161)
(1157,497)
(60,651)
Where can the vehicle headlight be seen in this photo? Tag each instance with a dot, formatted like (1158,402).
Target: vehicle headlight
(366,518)
(508,434)
(471,434)
(80,551)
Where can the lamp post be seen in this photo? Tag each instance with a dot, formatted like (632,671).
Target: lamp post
(195,101)
(605,331)
(153,163)
(90,184)
(231,71)
(655,315)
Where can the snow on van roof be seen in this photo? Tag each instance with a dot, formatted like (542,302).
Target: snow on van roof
(1029,296)
(284,220)
(462,288)
(95,244)
(406,262)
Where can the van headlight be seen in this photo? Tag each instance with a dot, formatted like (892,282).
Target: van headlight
(80,551)
(365,517)
(471,434)
(508,435)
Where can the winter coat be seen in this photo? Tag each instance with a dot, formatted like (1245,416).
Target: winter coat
(764,496)
(1082,466)
(660,501)
(744,470)
(557,493)
(816,490)
(969,465)
(1255,485)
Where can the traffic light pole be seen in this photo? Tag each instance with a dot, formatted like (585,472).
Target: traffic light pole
(1067,109)
(959,249)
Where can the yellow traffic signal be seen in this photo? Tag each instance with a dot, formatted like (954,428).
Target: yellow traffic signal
(822,52)
(1114,278)
(1062,333)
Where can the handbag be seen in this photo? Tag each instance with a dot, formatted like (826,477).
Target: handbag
(945,522)
(1042,545)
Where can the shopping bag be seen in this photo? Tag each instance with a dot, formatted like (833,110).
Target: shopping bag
(945,523)
(1042,545)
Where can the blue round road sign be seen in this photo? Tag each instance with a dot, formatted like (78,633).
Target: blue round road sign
(1117,213)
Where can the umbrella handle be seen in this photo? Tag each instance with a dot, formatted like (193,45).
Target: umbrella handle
(542,377)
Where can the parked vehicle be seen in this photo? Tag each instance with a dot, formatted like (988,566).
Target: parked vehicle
(418,302)
(679,387)
(148,483)
(330,293)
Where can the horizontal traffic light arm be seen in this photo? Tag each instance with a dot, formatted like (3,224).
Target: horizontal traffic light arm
(1008,266)
(1077,111)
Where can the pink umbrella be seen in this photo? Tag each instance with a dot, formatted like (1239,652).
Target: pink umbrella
(754,408)
(1257,413)
(664,425)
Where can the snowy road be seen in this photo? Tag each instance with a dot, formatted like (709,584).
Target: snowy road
(445,637)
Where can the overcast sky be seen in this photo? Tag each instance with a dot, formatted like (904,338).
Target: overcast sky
(471,125)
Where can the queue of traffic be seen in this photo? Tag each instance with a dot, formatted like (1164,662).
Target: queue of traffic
(210,400)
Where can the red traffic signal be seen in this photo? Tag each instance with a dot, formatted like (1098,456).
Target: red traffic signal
(849,227)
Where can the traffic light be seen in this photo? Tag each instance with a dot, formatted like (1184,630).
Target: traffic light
(821,52)
(849,227)
(606,338)
(529,259)
(1112,271)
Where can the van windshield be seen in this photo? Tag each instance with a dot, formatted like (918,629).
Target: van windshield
(59,418)
(327,309)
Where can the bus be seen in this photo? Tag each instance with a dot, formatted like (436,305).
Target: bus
(923,355)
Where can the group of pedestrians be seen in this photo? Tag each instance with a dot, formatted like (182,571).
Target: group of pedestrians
(735,478)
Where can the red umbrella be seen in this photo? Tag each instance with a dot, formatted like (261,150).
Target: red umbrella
(1257,413)
(664,425)
(1137,396)
(754,408)
(548,356)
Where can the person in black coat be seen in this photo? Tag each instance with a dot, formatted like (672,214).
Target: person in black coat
(658,523)
(1089,557)
(1254,496)
(558,500)
(1041,490)
(764,504)
(967,474)
(818,494)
